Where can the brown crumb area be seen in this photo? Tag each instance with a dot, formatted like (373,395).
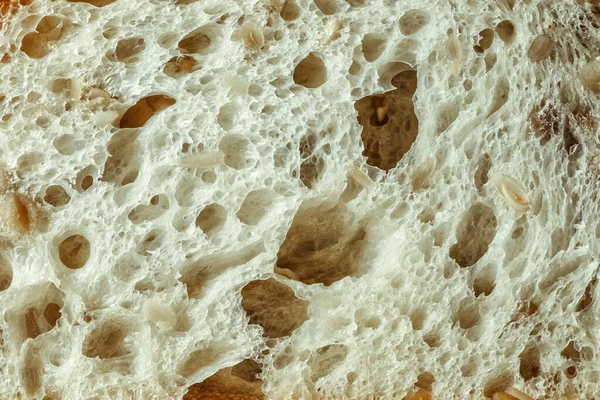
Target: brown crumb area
(423,394)
(204,391)
(239,382)
(9,7)
(199,393)
(420,394)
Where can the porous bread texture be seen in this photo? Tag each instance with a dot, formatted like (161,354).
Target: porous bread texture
(300,199)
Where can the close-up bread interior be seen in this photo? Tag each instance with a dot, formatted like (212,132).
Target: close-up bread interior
(299,199)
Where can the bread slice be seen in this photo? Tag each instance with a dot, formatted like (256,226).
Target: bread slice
(299,199)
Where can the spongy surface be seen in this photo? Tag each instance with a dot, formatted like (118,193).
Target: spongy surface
(340,198)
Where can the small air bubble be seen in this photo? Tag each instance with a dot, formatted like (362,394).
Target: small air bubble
(310,72)
(209,177)
(542,47)
(74,251)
